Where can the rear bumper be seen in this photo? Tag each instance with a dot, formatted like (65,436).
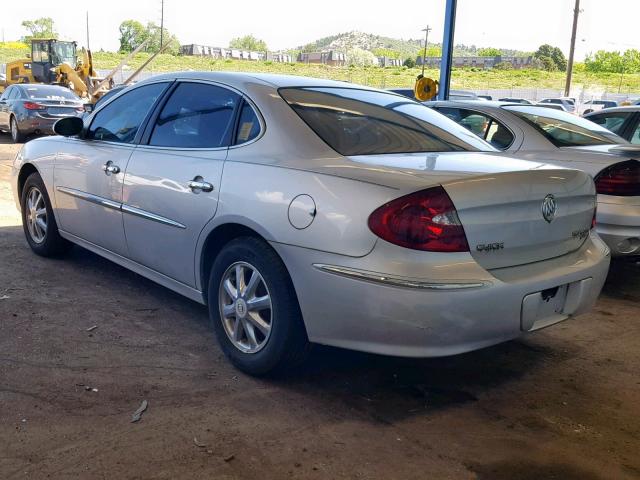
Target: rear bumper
(619,226)
(389,319)
(37,124)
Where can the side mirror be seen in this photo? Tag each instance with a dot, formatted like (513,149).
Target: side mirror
(88,107)
(68,127)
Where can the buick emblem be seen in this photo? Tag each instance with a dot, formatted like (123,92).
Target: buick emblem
(549,208)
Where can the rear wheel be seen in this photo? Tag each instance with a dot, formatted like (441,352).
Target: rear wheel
(254,309)
(38,222)
(16,135)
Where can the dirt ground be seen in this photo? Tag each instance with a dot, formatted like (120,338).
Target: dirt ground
(563,403)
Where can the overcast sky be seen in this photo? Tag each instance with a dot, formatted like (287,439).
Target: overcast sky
(518,24)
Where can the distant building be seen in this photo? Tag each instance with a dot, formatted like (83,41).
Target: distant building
(389,62)
(280,57)
(331,57)
(217,52)
(479,62)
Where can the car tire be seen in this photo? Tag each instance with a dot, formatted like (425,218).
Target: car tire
(16,135)
(38,221)
(245,340)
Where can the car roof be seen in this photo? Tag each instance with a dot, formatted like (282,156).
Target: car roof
(274,80)
(627,108)
(473,103)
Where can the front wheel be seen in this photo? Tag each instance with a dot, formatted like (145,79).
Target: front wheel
(38,222)
(254,309)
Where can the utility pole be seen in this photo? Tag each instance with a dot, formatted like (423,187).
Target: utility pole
(426,40)
(161,23)
(88,47)
(576,12)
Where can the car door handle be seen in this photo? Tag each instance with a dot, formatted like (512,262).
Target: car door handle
(198,185)
(109,168)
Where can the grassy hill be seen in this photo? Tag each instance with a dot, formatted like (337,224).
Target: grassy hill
(373,76)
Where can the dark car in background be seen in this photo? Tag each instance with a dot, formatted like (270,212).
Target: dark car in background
(27,109)
(523,101)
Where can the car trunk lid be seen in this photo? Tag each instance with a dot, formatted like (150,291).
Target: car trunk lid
(516,218)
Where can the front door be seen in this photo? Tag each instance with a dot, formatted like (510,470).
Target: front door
(88,176)
(172,183)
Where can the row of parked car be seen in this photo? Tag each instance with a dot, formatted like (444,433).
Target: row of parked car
(304,210)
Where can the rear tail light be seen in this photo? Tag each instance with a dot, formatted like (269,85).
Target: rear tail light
(621,179)
(593,219)
(424,220)
(33,106)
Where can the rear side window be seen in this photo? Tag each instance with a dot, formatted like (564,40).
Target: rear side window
(121,119)
(611,121)
(368,122)
(563,129)
(248,125)
(483,125)
(197,115)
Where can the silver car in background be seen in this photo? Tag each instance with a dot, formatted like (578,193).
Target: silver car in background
(304,210)
(565,140)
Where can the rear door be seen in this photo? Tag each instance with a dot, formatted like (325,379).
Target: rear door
(173,178)
(89,171)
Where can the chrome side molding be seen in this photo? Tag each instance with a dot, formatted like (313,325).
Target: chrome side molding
(151,216)
(105,202)
(396,281)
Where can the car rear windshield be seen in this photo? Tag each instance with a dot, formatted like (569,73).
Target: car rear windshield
(563,129)
(367,122)
(49,92)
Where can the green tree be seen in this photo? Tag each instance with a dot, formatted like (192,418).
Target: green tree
(133,34)
(248,42)
(613,62)
(39,28)
(359,57)
(386,52)
(554,53)
(409,63)
(489,52)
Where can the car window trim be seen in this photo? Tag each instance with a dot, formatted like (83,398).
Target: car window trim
(146,137)
(136,139)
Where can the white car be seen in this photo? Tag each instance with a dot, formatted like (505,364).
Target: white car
(304,210)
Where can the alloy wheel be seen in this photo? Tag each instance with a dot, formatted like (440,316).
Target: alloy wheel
(36,215)
(245,307)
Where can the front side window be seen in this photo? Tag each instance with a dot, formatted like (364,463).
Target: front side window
(563,129)
(483,125)
(121,119)
(367,122)
(611,121)
(197,115)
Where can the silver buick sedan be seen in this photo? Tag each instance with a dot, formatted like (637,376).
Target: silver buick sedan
(310,211)
(566,141)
